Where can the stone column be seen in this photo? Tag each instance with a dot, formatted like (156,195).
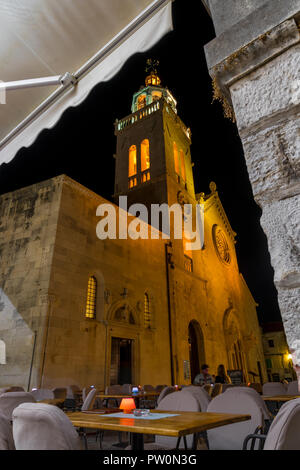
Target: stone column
(255,66)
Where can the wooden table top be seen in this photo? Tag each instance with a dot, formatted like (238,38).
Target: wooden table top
(185,423)
(279,397)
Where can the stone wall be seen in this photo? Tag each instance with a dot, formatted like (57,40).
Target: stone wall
(258,73)
(28,219)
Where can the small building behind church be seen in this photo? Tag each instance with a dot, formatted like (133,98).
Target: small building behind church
(77,309)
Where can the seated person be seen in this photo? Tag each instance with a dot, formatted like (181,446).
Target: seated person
(204,377)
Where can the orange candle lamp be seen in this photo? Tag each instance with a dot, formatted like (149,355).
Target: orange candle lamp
(127,405)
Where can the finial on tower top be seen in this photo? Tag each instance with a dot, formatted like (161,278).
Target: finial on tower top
(151,68)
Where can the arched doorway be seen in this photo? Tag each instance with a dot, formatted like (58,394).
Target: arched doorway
(196,348)
(234,346)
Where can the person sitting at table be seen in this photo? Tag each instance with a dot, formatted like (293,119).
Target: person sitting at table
(222,377)
(204,377)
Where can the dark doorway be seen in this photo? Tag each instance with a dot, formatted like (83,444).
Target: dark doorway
(121,361)
(196,348)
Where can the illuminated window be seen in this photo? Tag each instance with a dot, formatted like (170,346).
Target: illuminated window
(176,158)
(132,168)
(182,165)
(188,254)
(147,314)
(90,311)
(156,95)
(141,101)
(145,155)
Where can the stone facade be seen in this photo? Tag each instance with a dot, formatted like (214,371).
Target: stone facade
(159,313)
(257,72)
(278,359)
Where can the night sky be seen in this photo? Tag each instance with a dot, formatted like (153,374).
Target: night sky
(82,144)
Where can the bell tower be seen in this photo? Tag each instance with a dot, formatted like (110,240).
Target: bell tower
(153,159)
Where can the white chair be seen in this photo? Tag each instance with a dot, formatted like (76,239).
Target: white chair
(273,388)
(200,394)
(6,436)
(165,391)
(232,436)
(42,394)
(293,388)
(126,389)
(257,397)
(177,401)
(284,431)
(10,400)
(89,401)
(148,388)
(37,426)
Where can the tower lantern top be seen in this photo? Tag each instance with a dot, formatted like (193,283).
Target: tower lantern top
(152,91)
(152,79)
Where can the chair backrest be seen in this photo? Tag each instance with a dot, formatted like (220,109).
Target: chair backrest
(114,389)
(37,426)
(6,436)
(126,389)
(165,391)
(159,388)
(257,397)
(293,388)
(226,386)
(285,429)
(10,400)
(216,390)
(71,391)
(273,388)
(148,388)
(60,392)
(232,436)
(177,401)
(42,394)
(89,401)
(208,388)
(256,386)
(200,394)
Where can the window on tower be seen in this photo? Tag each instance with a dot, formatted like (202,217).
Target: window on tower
(145,160)
(132,167)
(90,311)
(183,175)
(141,101)
(176,158)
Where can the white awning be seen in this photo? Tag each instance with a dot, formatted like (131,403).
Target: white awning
(83,41)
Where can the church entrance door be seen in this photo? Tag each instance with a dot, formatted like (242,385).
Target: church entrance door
(196,348)
(121,361)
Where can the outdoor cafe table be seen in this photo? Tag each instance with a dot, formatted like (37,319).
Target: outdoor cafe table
(279,397)
(181,425)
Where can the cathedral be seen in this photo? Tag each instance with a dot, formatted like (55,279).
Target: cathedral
(77,309)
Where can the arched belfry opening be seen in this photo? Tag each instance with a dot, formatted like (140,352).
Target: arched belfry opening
(196,348)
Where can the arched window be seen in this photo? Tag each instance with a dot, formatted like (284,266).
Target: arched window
(2,352)
(132,168)
(147,313)
(141,101)
(176,158)
(183,175)
(145,161)
(90,311)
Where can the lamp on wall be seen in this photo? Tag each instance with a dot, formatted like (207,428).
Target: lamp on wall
(127,405)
